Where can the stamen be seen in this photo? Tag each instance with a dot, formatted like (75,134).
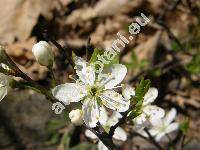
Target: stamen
(119,86)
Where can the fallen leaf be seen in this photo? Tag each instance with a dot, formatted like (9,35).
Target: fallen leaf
(18,17)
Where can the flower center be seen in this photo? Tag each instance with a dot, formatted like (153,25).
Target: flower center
(93,91)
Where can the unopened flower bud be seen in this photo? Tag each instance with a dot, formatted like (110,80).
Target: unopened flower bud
(43,53)
(76,117)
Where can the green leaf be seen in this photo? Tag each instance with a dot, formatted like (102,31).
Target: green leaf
(185,125)
(65,141)
(73,56)
(175,46)
(54,124)
(194,65)
(95,54)
(156,72)
(53,139)
(140,92)
(115,60)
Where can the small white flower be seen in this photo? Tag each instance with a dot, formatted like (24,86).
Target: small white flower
(164,126)
(4,85)
(94,90)
(107,123)
(76,117)
(149,113)
(43,53)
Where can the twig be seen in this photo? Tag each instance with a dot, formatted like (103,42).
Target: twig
(53,77)
(120,122)
(88,47)
(152,139)
(160,21)
(104,137)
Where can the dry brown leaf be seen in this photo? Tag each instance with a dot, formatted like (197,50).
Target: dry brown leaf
(21,51)
(18,18)
(101,9)
(183,98)
(145,50)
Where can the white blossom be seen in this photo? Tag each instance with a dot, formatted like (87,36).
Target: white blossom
(4,85)
(94,90)
(43,53)
(107,123)
(76,117)
(164,126)
(149,113)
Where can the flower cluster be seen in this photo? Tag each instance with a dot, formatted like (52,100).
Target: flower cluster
(99,97)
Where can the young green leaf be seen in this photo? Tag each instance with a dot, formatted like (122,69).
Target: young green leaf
(137,100)
(194,65)
(95,54)
(184,125)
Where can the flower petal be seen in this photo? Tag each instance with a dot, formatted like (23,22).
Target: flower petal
(101,146)
(153,132)
(114,118)
(120,134)
(170,116)
(4,79)
(90,134)
(90,112)
(159,136)
(116,74)
(127,92)
(172,127)
(103,116)
(150,96)
(4,91)
(4,85)
(140,121)
(69,92)
(153,113)
(114,101)
(85,72)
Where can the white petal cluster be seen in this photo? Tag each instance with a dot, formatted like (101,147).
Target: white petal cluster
(108,122)
(164,125)
(4,85)
(43,53)
(94,90)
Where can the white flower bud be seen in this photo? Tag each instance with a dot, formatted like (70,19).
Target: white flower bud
(76,117)
(43,53)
